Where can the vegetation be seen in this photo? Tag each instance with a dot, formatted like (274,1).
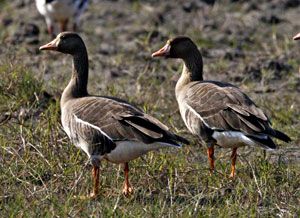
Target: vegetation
(42,173)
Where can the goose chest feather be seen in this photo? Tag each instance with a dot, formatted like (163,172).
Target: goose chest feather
(217,112)
(105,127)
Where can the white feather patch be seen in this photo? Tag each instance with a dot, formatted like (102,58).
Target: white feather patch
(232,139)
(84,146)
(126,151)
(78,120)
(198,115)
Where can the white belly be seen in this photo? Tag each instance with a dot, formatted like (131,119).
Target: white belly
(232,139)
(60,10)
(126,151)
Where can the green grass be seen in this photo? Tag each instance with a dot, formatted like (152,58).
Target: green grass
(41,171)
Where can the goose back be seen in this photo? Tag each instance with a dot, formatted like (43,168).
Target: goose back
(208,106)
(97,123)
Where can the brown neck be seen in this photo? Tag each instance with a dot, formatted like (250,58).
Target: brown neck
(192,70)
(77,86)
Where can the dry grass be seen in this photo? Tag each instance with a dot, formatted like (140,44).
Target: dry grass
(41,172)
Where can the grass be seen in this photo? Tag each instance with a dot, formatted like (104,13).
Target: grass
(41,171)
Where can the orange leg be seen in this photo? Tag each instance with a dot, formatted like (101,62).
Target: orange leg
(127,189)
(210,154)
(233,160)
(95,175)
(50,29)
(63,25)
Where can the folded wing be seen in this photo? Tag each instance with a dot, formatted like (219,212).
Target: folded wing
(104,121)
(224,107)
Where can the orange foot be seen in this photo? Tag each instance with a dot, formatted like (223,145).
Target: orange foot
(232,175)
(127,190)
(212,172)
(93,195)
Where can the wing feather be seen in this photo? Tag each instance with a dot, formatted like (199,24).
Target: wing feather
(225,107)
(122,121)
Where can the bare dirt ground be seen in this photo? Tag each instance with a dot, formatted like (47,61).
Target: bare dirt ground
(247,43)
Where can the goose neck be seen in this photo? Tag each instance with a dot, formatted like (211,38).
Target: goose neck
(192,70)
(77,86)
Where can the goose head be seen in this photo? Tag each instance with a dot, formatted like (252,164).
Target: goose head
(297,37)
(180,47)
(65,42)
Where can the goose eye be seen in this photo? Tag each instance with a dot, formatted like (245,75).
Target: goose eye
(63,37)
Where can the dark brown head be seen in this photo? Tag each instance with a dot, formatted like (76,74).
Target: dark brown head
(297,37)
(179,47)
(66,42)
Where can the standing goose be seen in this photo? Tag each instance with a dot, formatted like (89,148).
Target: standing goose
(297,37)
(61,11)
(217,112)
(105,127)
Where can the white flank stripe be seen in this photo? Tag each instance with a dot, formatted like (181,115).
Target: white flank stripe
(198,115)
(78,120)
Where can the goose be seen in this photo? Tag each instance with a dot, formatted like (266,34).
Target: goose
(105,128)
(218,113)
(61,11)
(297,37)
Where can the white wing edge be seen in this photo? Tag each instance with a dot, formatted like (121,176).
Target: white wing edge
(78,120)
